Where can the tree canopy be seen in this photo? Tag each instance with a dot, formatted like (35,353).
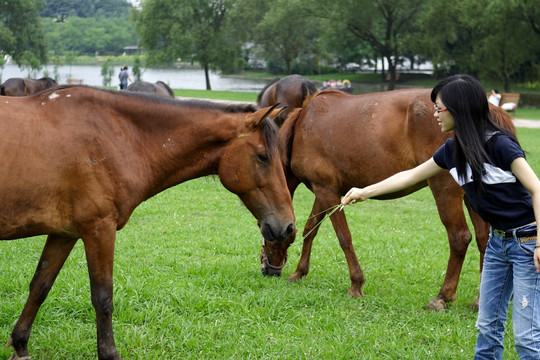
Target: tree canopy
(86,8)
(495,39)
(189,29)
(21,34)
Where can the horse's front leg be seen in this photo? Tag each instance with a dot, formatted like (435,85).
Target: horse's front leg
(53,257)
(310,231)
(99,239)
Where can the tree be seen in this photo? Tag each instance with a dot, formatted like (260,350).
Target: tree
(287,31)
(484,38)
(107,71)
(21,34)
(188,29)
(383,24)
(90,35)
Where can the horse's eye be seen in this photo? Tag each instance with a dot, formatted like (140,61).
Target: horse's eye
(263,158)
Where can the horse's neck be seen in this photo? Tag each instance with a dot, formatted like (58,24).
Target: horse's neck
(184,144)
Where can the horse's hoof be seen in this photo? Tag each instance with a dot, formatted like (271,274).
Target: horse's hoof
(355,293)
(294,277)
(437,304)
(475,304)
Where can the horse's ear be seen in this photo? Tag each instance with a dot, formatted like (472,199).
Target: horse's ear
(276,113)
(253,120)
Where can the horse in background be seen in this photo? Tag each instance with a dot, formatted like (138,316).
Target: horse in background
(159,88)
(337,141)
(291,91)
(25,87)
(107,152)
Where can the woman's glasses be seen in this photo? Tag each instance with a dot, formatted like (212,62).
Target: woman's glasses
(438,110)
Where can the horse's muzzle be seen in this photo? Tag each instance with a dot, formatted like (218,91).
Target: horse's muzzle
(272,231)
(269,269)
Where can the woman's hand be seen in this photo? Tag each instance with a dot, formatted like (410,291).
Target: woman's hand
(353,196)
(537,259)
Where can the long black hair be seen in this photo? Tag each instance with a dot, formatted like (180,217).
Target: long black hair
(466,100)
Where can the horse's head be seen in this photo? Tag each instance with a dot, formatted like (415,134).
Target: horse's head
(252,168)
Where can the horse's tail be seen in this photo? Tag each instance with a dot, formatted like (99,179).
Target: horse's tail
(167,87)
(308,89)
(259,97)
(2,91)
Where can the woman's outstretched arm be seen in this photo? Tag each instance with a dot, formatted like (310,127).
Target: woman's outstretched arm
(394,183)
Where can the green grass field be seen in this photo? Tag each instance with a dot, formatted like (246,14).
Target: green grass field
(188,285)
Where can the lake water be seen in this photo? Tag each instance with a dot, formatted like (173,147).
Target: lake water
(175,78)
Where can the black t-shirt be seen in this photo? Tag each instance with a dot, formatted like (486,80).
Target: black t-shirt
(505,204)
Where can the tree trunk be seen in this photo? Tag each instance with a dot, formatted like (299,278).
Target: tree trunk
(207,76)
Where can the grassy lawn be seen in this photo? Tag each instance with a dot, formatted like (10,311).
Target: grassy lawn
(188,285)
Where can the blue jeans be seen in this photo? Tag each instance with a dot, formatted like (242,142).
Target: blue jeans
(509,270)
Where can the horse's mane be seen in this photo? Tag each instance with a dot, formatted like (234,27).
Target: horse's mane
(272,82)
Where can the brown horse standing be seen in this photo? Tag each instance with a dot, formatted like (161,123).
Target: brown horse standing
(105,153)
(25,87)
(159,88)
(291,91)
(337,141)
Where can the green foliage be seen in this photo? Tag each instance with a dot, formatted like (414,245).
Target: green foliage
(137,69)
(189,29)
(489,39)
(107,71)
(86,8)
(278,32)
(21,32)
(90,36)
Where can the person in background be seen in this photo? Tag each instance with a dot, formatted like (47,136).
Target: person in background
(495,97)
(488,162)
(124,77)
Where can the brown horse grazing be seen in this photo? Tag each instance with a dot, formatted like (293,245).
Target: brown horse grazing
(291,91)
(159,88)
(103,158)
(337,141)
(25,87)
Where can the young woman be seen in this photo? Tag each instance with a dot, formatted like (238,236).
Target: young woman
(489,164)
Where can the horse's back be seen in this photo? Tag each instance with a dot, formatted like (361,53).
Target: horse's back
(25,87)
(367,137)
(13,87)
(159,88)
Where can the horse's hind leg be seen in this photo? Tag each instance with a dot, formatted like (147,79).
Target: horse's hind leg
(481,230)
(54,254)
(345,241)
(449,199)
